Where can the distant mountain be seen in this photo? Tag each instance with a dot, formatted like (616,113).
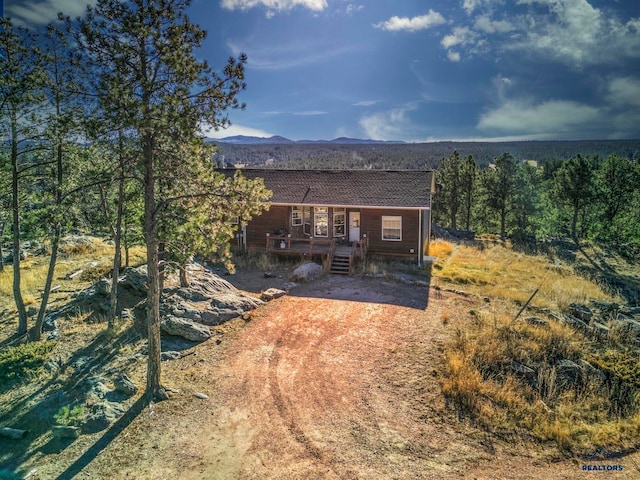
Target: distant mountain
(247,140)
(278,140)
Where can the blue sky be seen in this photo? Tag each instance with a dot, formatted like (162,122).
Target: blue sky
(419,70)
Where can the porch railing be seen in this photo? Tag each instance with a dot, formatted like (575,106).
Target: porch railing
(307,246)
(360,247)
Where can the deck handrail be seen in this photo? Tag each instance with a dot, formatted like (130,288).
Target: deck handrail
(274,242)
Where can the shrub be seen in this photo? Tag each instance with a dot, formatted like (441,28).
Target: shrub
(23,360)
(69,416)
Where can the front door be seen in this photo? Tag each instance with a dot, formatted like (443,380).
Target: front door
(354,226)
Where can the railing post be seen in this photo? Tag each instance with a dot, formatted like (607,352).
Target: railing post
(268,235)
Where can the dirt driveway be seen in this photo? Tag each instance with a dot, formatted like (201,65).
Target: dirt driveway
(336,381)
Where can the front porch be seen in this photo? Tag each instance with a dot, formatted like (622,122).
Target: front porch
(336,257)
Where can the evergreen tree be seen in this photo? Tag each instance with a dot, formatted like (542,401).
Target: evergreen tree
(500,187)
(21,97)
(574,186)
(468,187)
(155,88)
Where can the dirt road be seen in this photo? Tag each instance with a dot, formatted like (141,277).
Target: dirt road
(336,381)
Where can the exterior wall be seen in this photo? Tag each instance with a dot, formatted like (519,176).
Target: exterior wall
(277,218)
(371,225)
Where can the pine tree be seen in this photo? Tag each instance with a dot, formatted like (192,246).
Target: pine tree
(155,88)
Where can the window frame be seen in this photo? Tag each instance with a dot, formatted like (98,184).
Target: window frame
(297,218)
(318,213)
(306,221)
(339,212)
(391,218)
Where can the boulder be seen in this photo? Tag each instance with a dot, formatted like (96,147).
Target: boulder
(135,279)
(599,330)
(185,328)
(103,286)
(124,384)
(306,272)
(528,374)
(537,321)
(170,355)
(568,373)
(574,322)
(591,373)
(101,416)
(580,311)
(272,294)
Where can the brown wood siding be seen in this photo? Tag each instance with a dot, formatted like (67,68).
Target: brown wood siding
(274,219)
(371,224)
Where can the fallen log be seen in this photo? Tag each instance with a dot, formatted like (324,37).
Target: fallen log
(14,433)
(74,274)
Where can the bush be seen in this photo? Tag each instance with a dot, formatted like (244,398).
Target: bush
(69,416)
(23,360)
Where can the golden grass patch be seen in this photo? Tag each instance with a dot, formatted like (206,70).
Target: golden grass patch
(499,272)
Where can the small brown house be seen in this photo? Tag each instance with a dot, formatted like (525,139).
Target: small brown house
(380,212)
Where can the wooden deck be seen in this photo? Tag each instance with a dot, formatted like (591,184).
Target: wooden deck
(326,249)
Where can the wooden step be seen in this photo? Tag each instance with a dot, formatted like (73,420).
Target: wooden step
(340,265)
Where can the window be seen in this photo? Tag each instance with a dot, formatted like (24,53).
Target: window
(306,220)
(392,228)
(339,215)
(235,220)
(321,221)
(296,216)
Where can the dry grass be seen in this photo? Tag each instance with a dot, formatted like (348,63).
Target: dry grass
(440,248)
(499,272)
(480,382)
(94,258)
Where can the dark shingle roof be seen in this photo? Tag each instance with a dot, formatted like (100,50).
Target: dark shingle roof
(356,188)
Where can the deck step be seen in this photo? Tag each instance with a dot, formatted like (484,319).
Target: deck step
(340,265)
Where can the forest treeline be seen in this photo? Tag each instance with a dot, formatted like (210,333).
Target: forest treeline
(581,197)
(412,156)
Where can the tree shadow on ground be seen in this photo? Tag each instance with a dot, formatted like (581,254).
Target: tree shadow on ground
(56,393)
(599,270)
(103,442)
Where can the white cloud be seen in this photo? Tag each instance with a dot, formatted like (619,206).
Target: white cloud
(412,24)
(389,125)
(453,56)
(576,32)
(552,118)
(485,24)
(459,36)
(624,91)
(35,12)
(274,6)
(234,130)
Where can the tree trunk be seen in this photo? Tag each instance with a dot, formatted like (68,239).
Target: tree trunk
(503,221)
(154,389)
(37,329)
(184,276)
(15,211)
(117,236)
(574,222)
(2,225)
(57,232)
